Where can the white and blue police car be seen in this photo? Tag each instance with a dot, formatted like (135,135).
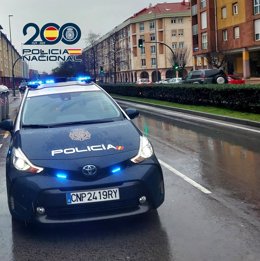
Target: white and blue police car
(75,156)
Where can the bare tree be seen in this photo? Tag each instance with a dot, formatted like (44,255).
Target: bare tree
(117,56)
(217,59)
(92,53)
(180,58)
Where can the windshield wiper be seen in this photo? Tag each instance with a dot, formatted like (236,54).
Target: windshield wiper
(35,126)
(78,122)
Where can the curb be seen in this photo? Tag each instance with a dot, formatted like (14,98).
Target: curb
(201,114)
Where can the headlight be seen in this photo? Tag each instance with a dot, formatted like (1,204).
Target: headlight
(21,163)
(145,150)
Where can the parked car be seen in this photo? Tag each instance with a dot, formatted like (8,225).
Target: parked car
(171,80)
(75,156)
(233,79)
(206,76)
(174,80)
(143,81)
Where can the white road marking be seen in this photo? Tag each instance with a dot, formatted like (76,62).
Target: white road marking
(189,180)
(6,134)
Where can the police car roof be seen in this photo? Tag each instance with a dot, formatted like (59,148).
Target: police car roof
(62,87)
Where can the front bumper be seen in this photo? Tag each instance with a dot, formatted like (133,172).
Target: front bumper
(27,193)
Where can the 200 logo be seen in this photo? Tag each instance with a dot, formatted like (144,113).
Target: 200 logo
(52,33)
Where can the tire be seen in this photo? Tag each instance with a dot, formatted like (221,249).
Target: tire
(220,80)
(15,219)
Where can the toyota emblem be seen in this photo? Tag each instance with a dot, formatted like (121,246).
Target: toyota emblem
(89,170)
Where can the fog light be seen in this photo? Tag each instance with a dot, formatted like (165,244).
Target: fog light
(40,210)
(142,199)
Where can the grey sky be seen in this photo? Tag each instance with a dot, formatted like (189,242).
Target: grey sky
(99,16)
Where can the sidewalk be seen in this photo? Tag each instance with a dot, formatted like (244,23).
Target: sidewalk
(253,80)
(12,98)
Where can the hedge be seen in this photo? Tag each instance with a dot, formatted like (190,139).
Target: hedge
(235,97)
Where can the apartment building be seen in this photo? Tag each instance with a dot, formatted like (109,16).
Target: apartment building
(230,28)
(8,56)
(166,31)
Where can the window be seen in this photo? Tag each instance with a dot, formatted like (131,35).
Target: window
(235,8)
(204,41)
(203,3)
(224,35)
(181,45)
(174,45)
(153,49)
(256,7)
(223,12)
(204,20)
(152,25)
(257,30)
(153,61)
(152,37)
(143,50)
(236,32)
(174,33)
(141,27)
(143,62)
(177,20)
(180,32)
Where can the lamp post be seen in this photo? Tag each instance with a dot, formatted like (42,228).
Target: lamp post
(12,61)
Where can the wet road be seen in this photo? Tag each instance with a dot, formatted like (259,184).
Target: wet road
(211,211)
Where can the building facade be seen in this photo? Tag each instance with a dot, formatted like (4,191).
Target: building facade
(166,31)
(230,28)
(8,56)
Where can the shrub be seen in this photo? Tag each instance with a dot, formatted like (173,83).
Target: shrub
(236,97)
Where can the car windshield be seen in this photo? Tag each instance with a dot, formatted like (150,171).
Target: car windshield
(69,108)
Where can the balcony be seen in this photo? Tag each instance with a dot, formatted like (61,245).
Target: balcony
(195,29)
(194,10)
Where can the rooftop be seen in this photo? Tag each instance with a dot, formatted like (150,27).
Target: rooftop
(164,8)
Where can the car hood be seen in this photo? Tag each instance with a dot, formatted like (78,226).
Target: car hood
(78,141)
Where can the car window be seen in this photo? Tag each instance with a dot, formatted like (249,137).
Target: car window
(196,74)
(68,108)
(211,72)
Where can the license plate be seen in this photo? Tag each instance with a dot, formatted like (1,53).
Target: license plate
(92,196)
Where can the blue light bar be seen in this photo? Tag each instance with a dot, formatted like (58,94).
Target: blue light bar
(83,78)
(116,169)
(61,176)
(49,81)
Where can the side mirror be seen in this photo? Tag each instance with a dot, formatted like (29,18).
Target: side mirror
(7,125)
(132,113)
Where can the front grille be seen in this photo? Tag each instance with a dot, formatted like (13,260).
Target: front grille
(93,209)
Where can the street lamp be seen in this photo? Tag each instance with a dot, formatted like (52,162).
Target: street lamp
(12,61)
(10,30)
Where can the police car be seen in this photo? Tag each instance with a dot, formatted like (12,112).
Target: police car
(76,156)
